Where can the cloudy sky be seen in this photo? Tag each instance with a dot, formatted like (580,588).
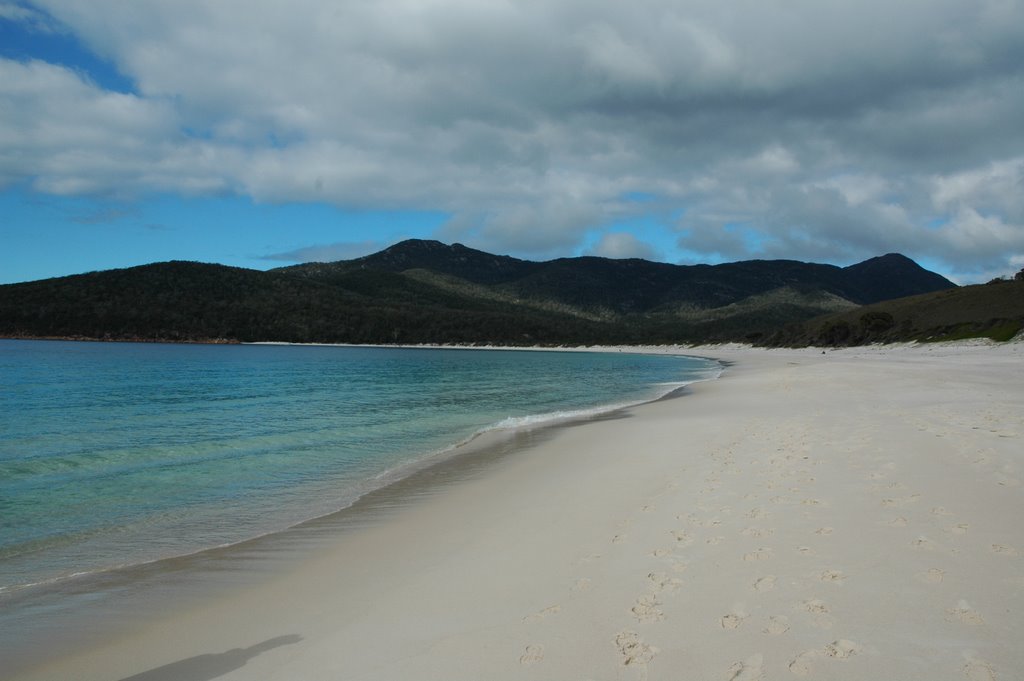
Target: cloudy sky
(260,133)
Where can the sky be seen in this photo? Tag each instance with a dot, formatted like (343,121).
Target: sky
(258,133)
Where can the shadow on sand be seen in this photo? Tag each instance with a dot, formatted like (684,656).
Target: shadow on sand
(211,665)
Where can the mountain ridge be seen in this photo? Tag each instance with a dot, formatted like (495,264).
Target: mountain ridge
(420,291)
(574,280)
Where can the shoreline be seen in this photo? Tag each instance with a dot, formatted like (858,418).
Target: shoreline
(428,474)
(477,443)
(633,547)
(169,585)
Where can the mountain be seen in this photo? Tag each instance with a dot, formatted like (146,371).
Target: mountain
(428,292)
(994,310)
(893,276)
(187,301)
(455,260)
(603,285)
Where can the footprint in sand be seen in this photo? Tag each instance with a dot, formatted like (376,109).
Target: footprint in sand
(833,576)
(923,544)
(1006,481)
(660,553)
(931,576)
(758,554)
(546,612)
(964,614)
(632,650)
(757,532)
(959,528)
(801,664)
(819,614)
(900,501)
(647,610)
(815,607)
(662,582)
(714,541)
(1004,550)
(748,670)
(842,649)
(777,624)
(897,522)
(583,584)
(733,620)
(766,583)
(531,655)
(824,531)
(977,670)
(682,537)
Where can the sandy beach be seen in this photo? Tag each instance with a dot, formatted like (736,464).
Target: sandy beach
(852,514)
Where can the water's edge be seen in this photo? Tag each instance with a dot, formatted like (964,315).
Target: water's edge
(82,609)
(418,464)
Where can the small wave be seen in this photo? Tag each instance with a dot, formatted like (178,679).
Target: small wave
(60,579)
(535,420)
(549,418)
(530,421)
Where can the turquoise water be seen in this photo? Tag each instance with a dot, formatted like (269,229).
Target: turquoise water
(118,454)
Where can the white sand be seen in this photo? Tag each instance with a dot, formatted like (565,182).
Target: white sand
(849,515)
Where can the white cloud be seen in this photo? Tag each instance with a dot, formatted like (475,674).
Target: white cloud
(998,185)
(827,130)
(983,240)
(35,20)
(342,250)
(69,136)
(856,189)
(12,12)
(617,59)
(622,245)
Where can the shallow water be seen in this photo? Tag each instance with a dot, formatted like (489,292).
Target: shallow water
(122,454)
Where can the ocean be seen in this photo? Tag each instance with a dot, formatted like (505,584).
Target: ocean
(123,454)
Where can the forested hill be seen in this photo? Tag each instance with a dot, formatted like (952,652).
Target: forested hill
(429,292)
(994,310)
(624,286)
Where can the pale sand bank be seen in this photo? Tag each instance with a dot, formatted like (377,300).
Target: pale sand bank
(848,515)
